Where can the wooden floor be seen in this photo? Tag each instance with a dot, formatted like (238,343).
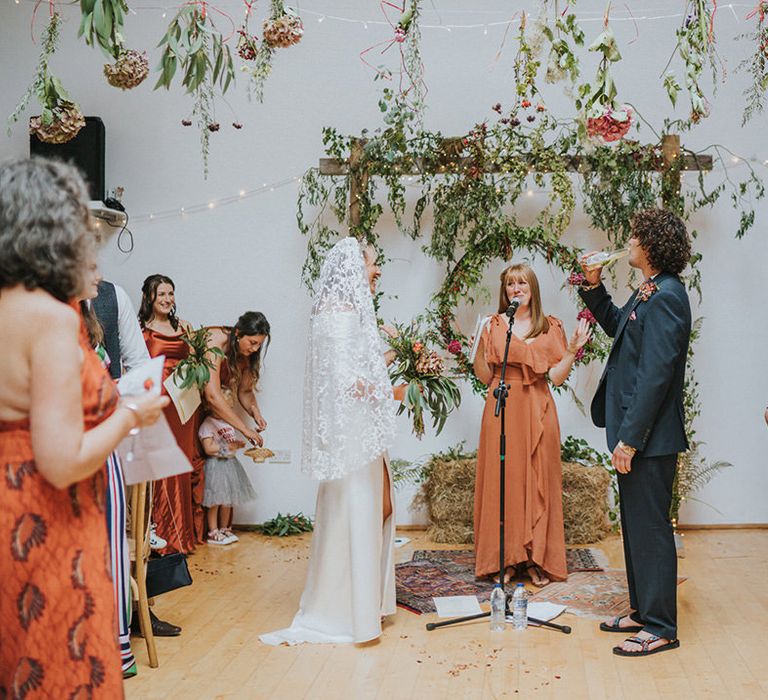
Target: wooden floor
(252,587)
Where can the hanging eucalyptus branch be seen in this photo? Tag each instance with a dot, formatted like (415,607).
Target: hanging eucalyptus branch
(757,64)
(102,24)
(60,118)
(408,34)
(696,46)
(562,62)
(193,45)
(50,41)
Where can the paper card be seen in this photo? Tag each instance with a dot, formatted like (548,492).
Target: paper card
(543,611)
(457,605)
(152,454)
(401,541)
(186,401)
(482,322)
(146,377)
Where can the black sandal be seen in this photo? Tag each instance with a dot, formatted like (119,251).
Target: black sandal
(614,625)
(644,644)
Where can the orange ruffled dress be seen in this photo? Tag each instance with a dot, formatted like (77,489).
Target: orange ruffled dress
(177,505)
(533,499)
(58,630)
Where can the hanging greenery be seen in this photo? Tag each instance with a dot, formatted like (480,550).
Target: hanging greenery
(696,47)
(601,118)
(194,46)
(60,118)
(564,35)
(102,23)
(757,64)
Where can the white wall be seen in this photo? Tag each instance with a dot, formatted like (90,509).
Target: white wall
(248,255)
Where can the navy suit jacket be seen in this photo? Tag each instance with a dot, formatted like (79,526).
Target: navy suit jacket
(639,399)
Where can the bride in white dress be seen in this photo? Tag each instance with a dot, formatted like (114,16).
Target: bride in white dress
(349,423)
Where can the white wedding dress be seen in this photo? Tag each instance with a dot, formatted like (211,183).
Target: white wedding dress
(349,424)
(351,575)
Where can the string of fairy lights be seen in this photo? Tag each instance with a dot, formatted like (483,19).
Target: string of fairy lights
(411,181)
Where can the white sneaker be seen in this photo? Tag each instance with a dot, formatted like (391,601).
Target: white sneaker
(229,534)
(155,541)
(217,537)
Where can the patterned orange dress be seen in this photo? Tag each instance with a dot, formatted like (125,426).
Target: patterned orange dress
(58,631)
(534,480)
(177,505)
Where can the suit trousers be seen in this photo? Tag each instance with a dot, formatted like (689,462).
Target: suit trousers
(645,496)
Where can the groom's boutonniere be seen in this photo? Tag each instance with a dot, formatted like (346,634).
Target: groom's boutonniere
(646,290)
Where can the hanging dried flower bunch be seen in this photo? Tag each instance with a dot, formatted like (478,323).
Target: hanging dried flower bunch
(130,70)
(283,28)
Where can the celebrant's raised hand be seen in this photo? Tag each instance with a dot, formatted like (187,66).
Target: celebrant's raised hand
(580,336)
(593,275)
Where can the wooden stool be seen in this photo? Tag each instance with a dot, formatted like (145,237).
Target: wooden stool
(141,519)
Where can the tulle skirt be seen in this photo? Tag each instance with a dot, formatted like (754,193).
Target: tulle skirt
(226,483)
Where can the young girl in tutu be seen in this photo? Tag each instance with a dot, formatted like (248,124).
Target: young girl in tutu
(226,483)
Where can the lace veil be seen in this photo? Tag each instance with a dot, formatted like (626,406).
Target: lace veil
(349,412)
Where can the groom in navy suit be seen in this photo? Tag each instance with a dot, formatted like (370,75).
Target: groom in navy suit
(640,403)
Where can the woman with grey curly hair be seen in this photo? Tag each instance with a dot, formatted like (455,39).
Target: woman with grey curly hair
(60,416)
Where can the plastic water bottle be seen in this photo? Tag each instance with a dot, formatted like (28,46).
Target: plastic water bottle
(498,608)
(520,607)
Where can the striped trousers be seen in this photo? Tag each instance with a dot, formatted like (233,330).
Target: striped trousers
(118,545)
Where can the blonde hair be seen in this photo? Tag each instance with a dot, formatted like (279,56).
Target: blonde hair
(521,271)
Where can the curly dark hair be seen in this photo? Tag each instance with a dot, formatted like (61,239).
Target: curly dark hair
(664,238)
(46,234)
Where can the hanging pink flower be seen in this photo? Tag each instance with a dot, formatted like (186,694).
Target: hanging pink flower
(611,125)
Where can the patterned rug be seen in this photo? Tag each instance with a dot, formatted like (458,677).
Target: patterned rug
(434,573)
(595,594)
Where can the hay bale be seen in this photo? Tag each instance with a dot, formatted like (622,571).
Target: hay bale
(449,494)
(585,503)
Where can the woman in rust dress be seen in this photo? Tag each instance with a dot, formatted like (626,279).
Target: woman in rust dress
(59,419)
(177,505)
(534,537)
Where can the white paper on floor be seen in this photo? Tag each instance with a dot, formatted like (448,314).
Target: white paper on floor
(543,611)
(457,605)
(400,541)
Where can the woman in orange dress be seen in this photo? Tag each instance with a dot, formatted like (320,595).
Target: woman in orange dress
(177,504)
(538,351)
(59,419)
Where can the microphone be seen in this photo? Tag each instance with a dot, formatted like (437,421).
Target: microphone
(512,308)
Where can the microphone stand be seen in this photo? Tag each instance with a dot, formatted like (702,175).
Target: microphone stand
(501,392)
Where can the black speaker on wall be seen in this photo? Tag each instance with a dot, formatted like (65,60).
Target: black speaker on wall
(85,151)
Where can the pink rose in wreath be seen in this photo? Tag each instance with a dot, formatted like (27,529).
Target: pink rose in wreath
(588,316)
(454,347)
